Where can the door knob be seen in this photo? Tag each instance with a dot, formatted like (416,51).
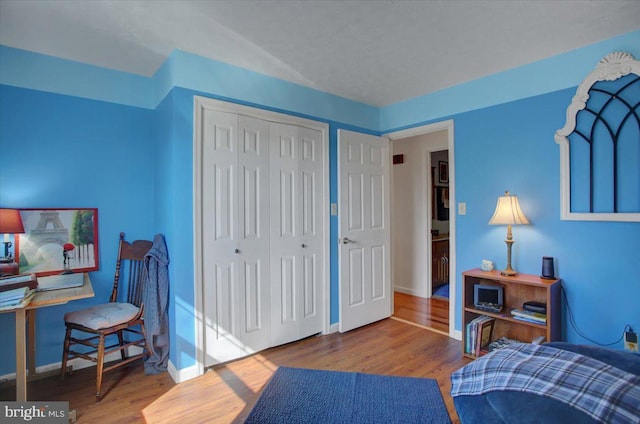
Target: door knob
(304,245)
(347,241)
(237,251)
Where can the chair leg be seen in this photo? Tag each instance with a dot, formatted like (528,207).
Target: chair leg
(121,341)
(65,353)
(145,347)
(100,367)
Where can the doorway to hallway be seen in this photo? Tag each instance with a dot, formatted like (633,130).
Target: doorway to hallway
(423,230)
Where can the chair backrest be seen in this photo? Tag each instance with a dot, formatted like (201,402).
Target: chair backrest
(130,269)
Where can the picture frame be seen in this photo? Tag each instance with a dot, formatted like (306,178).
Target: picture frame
(443,172)
(58,240)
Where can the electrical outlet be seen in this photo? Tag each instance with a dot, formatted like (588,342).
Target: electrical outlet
(631,340)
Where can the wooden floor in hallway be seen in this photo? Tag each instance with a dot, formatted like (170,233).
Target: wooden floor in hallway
(432,312)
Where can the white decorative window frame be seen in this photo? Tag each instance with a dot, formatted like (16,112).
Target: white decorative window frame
(615,65)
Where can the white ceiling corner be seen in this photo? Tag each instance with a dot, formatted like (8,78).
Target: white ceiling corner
(375,52)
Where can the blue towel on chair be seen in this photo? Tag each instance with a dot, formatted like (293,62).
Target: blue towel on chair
(156,299)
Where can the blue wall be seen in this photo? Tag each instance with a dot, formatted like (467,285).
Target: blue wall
(135,165)
(21,68)
(62,151)
(511,147)
(174,204)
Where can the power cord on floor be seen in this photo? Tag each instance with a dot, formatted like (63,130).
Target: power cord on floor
(580,333)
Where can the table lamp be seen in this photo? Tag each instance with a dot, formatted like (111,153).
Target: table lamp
(508,213)
(10,223)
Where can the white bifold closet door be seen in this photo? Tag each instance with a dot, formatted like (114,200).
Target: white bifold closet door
(236,236)
(262,234)
(296,232)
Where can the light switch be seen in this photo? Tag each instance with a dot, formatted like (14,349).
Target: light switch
(334,209)
(462,208)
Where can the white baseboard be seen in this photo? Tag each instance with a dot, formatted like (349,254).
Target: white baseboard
(184,374)
(76,363)
(333,328)
(457,334)
(402,290)
(178,376)
(409,291)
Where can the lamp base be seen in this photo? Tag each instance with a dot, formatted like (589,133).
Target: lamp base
(508,271)
(10,268)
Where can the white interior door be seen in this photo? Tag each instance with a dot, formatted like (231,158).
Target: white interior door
(364,222)
(296,237)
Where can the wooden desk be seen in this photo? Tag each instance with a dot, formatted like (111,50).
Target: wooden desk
(26,337)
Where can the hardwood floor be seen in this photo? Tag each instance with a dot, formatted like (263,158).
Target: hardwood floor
(432,312)
(228,392)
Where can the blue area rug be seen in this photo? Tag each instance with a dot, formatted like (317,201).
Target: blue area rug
(295,395)
(442,291)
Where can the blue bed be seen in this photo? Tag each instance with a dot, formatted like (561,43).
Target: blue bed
(552,383)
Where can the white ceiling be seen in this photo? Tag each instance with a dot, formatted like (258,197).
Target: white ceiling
(375,52)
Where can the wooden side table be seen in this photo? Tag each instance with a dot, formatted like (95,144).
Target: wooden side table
(25,336)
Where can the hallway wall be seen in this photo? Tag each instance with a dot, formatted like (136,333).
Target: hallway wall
(410,212)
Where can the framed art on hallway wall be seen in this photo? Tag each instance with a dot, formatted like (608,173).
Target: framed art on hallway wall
(443,172)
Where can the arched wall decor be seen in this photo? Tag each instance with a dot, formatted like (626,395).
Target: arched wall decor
(600,145)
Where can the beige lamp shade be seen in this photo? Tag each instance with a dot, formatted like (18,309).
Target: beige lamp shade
(508,211)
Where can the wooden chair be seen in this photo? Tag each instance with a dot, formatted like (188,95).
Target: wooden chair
(113,318)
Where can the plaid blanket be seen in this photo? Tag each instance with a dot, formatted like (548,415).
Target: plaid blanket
(602,391)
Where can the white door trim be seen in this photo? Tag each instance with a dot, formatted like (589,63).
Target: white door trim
(447,125)
(201,103)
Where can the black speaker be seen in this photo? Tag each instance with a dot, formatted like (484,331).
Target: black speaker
(535,307)
(548,268)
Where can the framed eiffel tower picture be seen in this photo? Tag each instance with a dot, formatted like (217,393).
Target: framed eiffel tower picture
(57,241)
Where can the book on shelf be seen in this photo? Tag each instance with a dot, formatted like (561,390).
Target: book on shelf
(485,332)
(16,298)
(529,316)
(531,321)
(478,335)
(16,281)
(501,342)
